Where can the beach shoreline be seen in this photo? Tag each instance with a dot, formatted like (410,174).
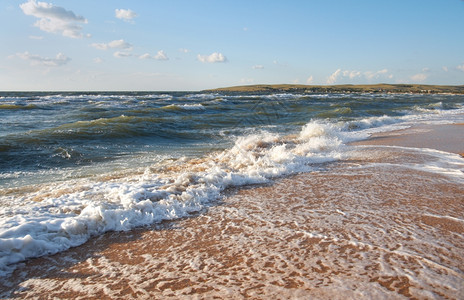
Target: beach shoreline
(446,137)
(314,239)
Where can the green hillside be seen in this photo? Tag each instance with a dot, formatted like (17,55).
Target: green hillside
(346,88)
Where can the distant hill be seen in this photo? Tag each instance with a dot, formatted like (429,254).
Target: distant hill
(345,88)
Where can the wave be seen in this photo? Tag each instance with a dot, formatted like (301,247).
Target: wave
(337,112)
(65,215)
(115,127)
(44,148)
(183,107)
(202,96)
(17,107)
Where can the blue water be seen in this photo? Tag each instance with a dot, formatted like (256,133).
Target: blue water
(42,131)
(75,165)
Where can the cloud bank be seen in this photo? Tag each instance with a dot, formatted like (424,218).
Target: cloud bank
(334,76)
(54,19)
(340,74)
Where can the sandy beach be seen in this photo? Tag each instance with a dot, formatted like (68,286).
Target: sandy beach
(447,138)
(369,227)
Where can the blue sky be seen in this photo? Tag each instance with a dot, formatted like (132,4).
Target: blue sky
(194,45)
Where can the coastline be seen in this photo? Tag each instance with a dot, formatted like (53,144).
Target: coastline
(344,88)
(314,239)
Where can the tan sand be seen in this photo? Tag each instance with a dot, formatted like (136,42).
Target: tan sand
(352,230)
(449,138)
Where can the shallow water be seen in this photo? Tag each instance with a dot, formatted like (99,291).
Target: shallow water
(377,225)
(76,165)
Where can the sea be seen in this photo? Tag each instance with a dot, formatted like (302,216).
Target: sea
(76,165)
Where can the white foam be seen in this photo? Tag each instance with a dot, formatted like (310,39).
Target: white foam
(427,160)
(206,96)
(192,106)
(61,215)
(185,106)
(364,127)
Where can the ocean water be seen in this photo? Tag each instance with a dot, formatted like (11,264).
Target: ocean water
(77,165)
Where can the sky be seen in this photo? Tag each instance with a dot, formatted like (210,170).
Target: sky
(190,45)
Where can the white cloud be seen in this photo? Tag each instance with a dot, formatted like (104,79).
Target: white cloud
(374,75)
(116,44)
(258,67)
(333,78)
(161,55)
(215,57)
(54,19)
(419,77)
(120,44)
(460,67)
(121,54)
(183,50)
(352,75)
(36,37)
(309,80)
(59,60)
(445,69)
(125,14)
(98,60)
(145,56)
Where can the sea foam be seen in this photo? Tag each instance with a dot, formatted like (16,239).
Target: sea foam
(63,215)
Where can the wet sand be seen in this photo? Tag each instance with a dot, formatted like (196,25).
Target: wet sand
(374,226)
(447,138)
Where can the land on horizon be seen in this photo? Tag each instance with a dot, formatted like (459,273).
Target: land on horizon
(292,88)
(346,88)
